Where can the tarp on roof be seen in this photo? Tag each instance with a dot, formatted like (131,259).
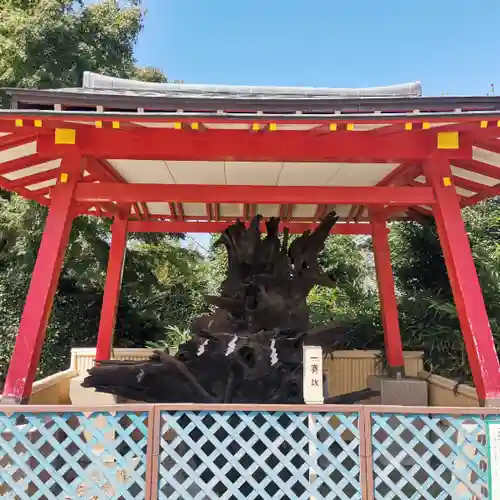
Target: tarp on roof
(97,82)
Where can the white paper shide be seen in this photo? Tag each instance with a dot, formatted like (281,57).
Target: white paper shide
(313,374)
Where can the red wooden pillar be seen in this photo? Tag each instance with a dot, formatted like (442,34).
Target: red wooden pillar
(38,306)
(112,287)
(464,281)
(387,294)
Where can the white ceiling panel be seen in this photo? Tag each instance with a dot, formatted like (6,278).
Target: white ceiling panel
(250,173)
(472,176)
(158,208)
(485,156)
(296,126)
(18,152)
(155,124)
(342,210)
(307,174)
(227,126)
(143,171)
(268,210)
(81,122)
(36,169)
(304,211)
(364,127)
(361,174)
(41,185)
(465,192)
(196,172)
(440,124)
(231,209)
(194,209)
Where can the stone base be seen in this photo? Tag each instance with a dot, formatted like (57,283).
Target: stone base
(402,392)
(490,403)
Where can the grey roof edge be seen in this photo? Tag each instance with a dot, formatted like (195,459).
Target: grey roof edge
(321,117)
(95,81)
(207,104)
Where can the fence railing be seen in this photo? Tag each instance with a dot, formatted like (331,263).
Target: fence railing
(245,452)
(446,392)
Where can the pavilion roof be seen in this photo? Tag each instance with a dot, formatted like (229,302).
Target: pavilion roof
(234,136)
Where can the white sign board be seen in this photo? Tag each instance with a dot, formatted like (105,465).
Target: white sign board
(493,437)
(313,374)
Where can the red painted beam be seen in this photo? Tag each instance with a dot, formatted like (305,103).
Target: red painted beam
(469,301)
(35,178)
(218,227)
(490,144)
(473,200)
(387,294)
(238,145)
(194,193)
(475,187)
(112,289)
(478,167)
(38,306)
(14,140)
(21,163)
(401,175)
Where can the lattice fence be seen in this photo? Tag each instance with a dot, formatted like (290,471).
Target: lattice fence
(72,455)
(169,452)
(417,456)
(259,455)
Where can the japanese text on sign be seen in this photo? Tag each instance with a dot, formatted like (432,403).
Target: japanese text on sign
(313,374)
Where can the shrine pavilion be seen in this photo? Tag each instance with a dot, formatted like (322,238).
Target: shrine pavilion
(194,158)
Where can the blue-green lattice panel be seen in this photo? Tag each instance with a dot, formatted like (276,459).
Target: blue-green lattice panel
(424,457)
(72,455)
(259,456)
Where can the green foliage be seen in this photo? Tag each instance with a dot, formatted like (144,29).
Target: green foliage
(179,273)
(49,44)
(149,74)
(353,299)
(417,258)
(175,336)
(157,284)
(428,316)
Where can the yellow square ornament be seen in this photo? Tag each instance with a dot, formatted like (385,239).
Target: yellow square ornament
(65,136)
(448,140)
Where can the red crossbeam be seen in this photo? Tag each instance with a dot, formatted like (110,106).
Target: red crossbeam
(193,193)
(238,145)
(218,227)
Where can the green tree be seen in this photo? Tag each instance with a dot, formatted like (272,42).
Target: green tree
(353,299)
(49,44)
(427,312)
(75,317)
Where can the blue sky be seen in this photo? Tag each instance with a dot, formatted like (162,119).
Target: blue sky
(452,47)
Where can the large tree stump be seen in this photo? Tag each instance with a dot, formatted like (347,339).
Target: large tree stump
(250,349)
